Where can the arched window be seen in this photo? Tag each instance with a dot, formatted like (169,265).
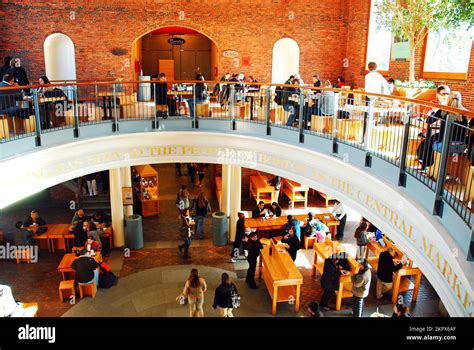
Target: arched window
(59,57)
(286,60)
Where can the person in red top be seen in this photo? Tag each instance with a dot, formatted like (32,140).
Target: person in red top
(340,82)
(91,244)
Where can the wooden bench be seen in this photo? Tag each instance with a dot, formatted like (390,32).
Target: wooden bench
(281,276)
(295,192)
(321,252)
(326,197)
(260,190)
(66,290)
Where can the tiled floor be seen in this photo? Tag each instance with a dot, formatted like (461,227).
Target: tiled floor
(39,282)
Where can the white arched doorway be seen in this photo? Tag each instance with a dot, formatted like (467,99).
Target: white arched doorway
(286,60)
(59,57)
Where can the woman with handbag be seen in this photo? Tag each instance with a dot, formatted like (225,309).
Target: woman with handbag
(362,238)
(194,290)
(226,297)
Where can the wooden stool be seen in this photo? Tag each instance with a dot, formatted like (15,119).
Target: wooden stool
(309,240)
(202,109)
(87,289)
(66,289)
(4,128)
(23,254)
(30,124)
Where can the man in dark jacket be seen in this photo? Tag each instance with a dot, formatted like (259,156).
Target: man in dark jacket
(259,210)
(223,296)
(80,236)
(86,269)
(10,98)
(275,209)
(292,243)
(330,280)
(239,237)
(385,269)
(253,247)
(6,66)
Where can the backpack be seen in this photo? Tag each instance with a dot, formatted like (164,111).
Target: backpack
(108,278)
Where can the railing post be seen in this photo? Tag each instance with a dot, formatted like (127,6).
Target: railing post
(76,112)
(335,149)
(368,132)
(37,118)
(301,116)
(115,126)
(232,106)
(402,176)
(195,122)
(155,123)
(441,175)
(267,110)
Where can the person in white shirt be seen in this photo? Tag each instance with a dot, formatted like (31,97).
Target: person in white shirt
(374,81)
(339,213)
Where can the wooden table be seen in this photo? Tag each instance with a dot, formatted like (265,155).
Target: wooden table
(321,252)
(65,268)
(281,276)
(401,278)
(295,191)
(261,190)
(277,223)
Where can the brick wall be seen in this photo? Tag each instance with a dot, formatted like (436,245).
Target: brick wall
(332,34)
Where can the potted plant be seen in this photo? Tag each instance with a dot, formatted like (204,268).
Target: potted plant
(413,19)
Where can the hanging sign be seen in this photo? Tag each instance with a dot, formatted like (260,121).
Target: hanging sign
(176,41)
(127,196)
(230,54)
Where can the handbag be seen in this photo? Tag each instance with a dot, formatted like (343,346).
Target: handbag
(235,297)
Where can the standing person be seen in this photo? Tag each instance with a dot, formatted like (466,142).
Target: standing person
(200,94)
(194,289)
(80,236)
(91,184)
(330,280)
(200,168)
(316,228)
(191,172)
(182,199)
(78,219)
(239,237)
(276,182)
(360,288)
(385,269)
(339,213)
(361,235)
(224,295)
(201,207)
(186,231)
(253,247)
(292,243)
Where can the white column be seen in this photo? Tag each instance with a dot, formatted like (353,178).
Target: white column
(116,207)
(226,186)
(126,176)
(235,198)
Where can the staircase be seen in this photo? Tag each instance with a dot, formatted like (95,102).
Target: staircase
(101,202)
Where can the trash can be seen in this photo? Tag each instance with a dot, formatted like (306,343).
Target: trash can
(220,228)
(134,232)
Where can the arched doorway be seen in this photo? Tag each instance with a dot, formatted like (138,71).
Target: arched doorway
(179,52)
(286,60)
(59,57)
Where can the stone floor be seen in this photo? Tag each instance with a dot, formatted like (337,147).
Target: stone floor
(151,278)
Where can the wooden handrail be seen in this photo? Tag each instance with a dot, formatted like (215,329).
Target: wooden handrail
(357,92)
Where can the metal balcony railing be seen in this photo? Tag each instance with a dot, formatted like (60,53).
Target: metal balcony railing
(430,142)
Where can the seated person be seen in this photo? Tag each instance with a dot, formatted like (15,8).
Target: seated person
(80,236)
(293,223)
(86,269)
(316,228)
(292,243)
(91,230)
(259,210)
(33,220)
(100,219)
(91,245)
(78,219)
(275,210)
(10,98)
(22,236)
